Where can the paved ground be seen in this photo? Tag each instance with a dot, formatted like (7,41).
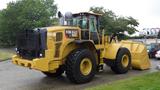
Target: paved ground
(13,77)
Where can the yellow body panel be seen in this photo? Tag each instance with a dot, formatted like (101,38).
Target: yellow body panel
(108,50)
(111,50)
(60,28)
(38,64)
(67,47)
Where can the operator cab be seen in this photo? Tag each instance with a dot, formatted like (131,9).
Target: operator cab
(89,24)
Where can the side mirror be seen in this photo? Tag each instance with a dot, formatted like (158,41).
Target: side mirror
(60,14)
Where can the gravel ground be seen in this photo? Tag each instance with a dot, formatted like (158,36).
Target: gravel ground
(14,77)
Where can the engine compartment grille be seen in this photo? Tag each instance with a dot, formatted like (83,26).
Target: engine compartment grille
(31,43)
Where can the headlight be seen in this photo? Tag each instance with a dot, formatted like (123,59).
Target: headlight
(17,51)
(71,33)
(40,54)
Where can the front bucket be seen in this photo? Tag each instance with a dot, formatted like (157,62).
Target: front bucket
(139,55)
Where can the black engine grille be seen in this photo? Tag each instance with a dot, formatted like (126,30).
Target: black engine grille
(32,43)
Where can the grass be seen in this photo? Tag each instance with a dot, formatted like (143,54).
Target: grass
(149,81)
(6,54)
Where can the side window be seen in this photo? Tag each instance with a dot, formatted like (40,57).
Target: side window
(82,23)
(59,36)
(74,22)
(92,24)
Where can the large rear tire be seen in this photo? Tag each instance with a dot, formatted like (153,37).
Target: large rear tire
(81,66)
(123,61)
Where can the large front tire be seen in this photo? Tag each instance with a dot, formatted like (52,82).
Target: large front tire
(123,61)
(81,66)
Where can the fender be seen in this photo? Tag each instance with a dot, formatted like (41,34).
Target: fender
(112,50)
(86,44)
(67,47)
(71,45)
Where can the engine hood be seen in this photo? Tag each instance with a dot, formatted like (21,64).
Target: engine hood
(60,28)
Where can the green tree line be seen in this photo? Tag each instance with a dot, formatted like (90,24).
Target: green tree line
(29,14)
(22,15)
(112,23)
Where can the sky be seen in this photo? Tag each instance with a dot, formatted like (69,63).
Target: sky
(147,12)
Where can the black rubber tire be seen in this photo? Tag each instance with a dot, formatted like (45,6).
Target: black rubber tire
(73,66)
(118,67)
(58,72)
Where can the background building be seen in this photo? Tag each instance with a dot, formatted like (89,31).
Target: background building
(150,32)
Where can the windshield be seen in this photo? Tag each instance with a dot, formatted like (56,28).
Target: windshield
(78,21)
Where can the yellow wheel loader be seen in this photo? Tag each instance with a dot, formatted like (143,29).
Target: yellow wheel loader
(79,48)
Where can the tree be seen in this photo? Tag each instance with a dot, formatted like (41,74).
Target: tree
(25,14)
(114,24)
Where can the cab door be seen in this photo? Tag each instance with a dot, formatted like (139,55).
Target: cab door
(93,29)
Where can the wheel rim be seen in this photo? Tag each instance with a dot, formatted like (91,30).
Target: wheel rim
(85,66)
(125,61)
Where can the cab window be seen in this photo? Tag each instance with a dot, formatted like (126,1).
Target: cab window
(92,24)
(82,22)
